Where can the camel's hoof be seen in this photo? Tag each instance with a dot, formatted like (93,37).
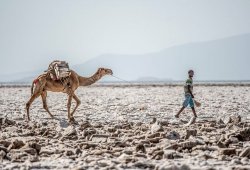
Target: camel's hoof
(72,121)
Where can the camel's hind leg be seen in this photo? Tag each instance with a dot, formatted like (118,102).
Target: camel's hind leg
(45,106)
(28,104)
(69,106)
(78,102)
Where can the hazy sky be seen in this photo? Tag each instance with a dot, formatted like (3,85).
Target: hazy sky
(34,32)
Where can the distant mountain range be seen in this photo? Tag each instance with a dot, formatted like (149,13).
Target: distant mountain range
(223,59)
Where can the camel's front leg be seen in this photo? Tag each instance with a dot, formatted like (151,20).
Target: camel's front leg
(44,96)
(69,106)
(78,102)
(28,104)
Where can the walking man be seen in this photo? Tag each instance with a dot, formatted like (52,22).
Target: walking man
(189,96)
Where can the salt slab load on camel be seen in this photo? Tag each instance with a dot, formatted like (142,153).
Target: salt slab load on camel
(58,70)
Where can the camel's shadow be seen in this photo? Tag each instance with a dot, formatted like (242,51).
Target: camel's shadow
(63,122)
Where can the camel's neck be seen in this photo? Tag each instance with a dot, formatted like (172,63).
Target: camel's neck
(86,81)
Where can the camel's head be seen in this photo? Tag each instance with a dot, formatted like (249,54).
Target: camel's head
(105,71)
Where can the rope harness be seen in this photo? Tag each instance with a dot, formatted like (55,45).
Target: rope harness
(122,79)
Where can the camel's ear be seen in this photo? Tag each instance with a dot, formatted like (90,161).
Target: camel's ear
(100,70)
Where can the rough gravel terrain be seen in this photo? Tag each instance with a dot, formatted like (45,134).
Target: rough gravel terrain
(127,128)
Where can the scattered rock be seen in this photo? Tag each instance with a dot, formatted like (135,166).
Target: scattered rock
(2,148)
(190,132)
(172,146)
(85,125)
(7,121)
(121,144)
(245,161)
(245,134)
(78,151)
(138,124)
(125,158)
(90,145)
(70,133)
(191,121)
(208,129)
(169,154)
(111,129)
(158,155)
(221,144)
(233,139)
(205,148)
(167,166)
(69,153)
(99,138)
(1,121)
(235,119)
(187,144)
(16,144)
(227,120)
(156,127)
(185,167)
(154,135)
(164,122)
(245,152)
(205,156)
(128,151)
(2,155)
(154,140)
(144,165)
(30,151)
(153,120)
(228,151)
(173,135)
(235,162)
(141,148)
(219,121)
(34,145)
(46,152)
(104,163)
(17,155)
(58,135)
(5,143)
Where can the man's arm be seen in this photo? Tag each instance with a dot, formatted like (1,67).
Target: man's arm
(189,90)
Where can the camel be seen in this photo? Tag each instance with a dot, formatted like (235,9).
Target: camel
(44,83)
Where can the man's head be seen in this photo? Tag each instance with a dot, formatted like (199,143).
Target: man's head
(190,73)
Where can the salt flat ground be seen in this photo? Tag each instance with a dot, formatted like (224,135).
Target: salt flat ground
(115,129)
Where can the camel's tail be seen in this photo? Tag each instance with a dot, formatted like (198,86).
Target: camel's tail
(33,85)
(32,88)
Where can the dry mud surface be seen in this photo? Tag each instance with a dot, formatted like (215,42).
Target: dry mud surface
(127,128)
